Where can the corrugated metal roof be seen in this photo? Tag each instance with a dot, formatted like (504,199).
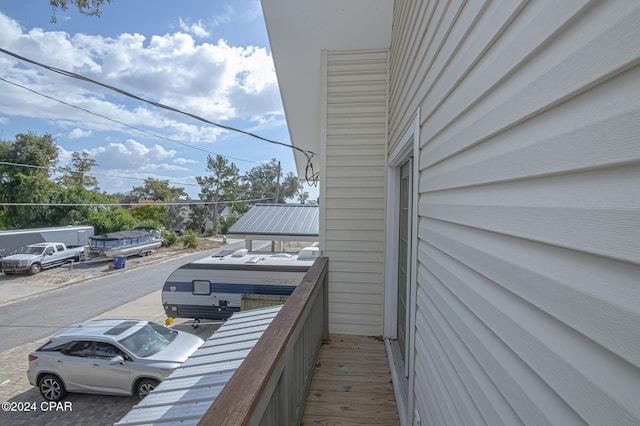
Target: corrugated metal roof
(279,219)
(184,396)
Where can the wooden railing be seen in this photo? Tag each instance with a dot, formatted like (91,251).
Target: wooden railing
(271,385)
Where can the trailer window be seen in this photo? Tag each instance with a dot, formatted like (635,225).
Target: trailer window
(202,288)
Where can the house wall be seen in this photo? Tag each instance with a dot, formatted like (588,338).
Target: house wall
(528,282)
(353,188)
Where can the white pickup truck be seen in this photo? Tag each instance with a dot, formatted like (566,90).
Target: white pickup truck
(36,257)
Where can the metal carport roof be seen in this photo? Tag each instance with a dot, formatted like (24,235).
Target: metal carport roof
(279,220)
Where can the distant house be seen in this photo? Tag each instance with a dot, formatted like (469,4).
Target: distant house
(185,212)
(479,168)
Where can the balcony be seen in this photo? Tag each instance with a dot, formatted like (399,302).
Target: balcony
(298,374)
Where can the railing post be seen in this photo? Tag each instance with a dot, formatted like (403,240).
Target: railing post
(284,388)
(325,306)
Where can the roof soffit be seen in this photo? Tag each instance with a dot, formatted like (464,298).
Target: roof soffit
(299,30)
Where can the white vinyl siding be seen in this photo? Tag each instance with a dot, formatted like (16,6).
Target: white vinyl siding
(528,299)
(353,197)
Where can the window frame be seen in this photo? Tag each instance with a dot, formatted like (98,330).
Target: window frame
(201,283)
(121,353)
(92,349)
(406,148)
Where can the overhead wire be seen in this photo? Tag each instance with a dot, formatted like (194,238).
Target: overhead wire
(62,169)
(137,204)
(160,203)
(310,175)
(120,122)
(90,173)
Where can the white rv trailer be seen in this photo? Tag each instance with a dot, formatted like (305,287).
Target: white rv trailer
(212,288)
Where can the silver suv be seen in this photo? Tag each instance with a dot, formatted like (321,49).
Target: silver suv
(116,357)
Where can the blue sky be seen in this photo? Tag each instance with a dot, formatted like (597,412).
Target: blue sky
(208,58)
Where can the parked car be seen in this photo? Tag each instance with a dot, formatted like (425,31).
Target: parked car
(110,356)
(36,257)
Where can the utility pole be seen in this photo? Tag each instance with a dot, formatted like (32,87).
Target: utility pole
(278,184)
(273,243)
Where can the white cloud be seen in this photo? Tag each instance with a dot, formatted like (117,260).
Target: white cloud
(131,155)
(9,28)
(216,81)
(223,83)
(198,29)
(79,133)
(224,17)
(184,161)
(64,157)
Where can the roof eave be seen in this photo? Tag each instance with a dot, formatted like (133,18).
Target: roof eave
(298,32)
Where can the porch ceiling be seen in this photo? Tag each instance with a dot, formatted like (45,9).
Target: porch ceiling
(299,30)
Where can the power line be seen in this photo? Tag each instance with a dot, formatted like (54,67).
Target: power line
(62,169)
(307,153)
(183,203)
(120,122)
(66,170)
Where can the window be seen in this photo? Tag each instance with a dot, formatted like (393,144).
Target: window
(202,288)
(148,340)
(400,268)
(108,351)
(404,259)
(56,348)
(121,328)
(80,349)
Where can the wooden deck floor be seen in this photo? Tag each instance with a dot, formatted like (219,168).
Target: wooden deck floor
(351,384)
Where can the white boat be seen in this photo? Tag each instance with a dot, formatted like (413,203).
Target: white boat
(125,243)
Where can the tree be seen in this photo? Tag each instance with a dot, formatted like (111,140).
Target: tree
(149,212)
(111,220)
(77,204)
(78,175)
(26,178)
(173,220)
(157,190)
(220,186)
(85,7)
(227,222)
(264,181)
(153,190)
(197,218)
(303,196)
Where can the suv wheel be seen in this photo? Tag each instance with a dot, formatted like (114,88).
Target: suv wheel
(51,388)
(145,386)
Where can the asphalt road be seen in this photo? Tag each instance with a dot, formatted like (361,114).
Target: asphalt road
(38,316)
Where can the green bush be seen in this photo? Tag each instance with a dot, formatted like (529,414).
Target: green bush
(111,220)
(226,222)
(190,239)
(149,223)
(169,238)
